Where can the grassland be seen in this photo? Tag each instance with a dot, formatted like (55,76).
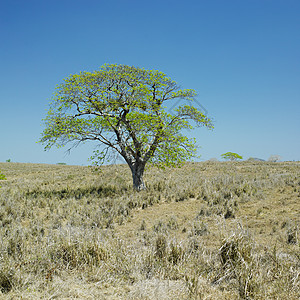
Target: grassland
(209,230)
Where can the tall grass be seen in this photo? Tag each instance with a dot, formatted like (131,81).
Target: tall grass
(208,230)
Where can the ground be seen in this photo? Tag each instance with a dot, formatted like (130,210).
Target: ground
(208,230)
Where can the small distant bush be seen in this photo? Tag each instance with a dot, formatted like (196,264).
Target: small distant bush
(8,160)
(274,158)
(2,176)
(231,156)
(213,159)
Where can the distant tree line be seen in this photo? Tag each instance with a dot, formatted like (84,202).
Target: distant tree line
(231,156)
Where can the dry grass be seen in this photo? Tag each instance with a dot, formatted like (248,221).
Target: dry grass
(206,231)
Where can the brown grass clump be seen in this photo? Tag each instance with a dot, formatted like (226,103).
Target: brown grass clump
(209,230)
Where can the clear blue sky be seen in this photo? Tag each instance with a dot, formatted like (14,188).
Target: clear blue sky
(242,57)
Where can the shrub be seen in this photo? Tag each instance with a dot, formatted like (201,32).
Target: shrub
(2,176)
(274,158)
(231,156)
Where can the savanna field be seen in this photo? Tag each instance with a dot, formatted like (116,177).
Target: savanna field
(209,230)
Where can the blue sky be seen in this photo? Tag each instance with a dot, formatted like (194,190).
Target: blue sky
(242,58)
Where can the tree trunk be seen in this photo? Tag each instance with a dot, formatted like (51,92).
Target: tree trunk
(137,175)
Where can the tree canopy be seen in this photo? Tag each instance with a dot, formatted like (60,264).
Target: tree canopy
(123,109)
(231,156)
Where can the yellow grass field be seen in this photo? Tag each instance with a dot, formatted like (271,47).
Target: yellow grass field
(209,230)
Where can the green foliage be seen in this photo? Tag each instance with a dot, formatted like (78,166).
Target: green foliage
(122,109)
(231,156)
(2,176)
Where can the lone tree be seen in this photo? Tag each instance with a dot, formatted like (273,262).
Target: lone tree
(121,108)
(231,156)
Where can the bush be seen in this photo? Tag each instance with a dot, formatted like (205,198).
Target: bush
(2,176)
(231,156)
(274,158)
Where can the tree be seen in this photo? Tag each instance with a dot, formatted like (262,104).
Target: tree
(121,108)
(274,158)
(231,156)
